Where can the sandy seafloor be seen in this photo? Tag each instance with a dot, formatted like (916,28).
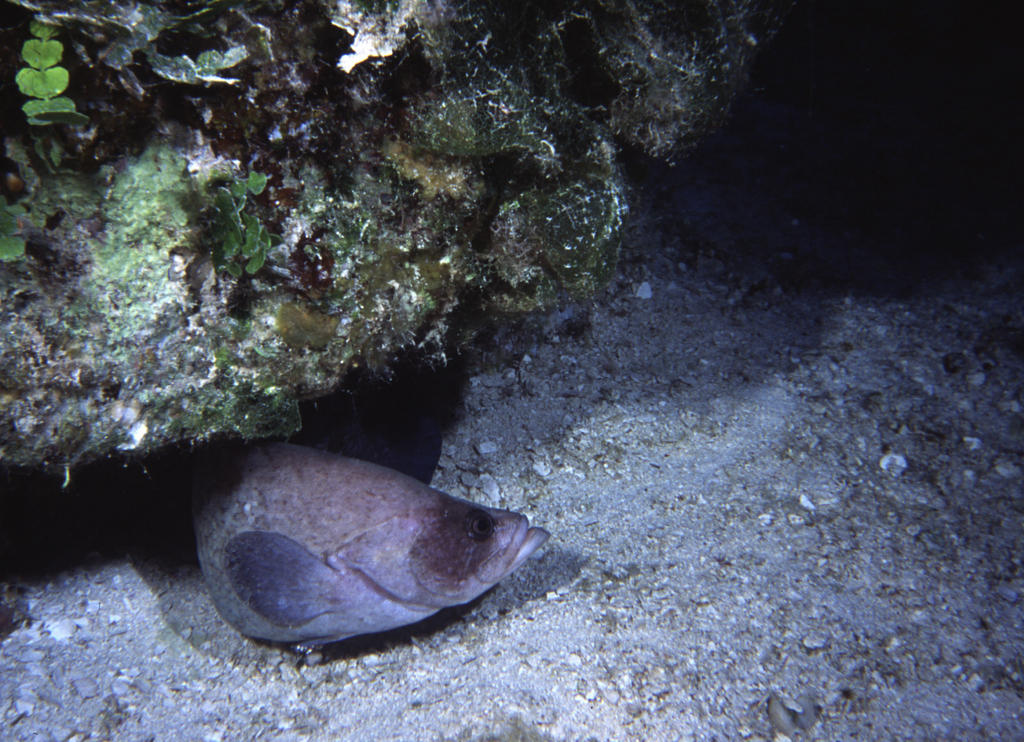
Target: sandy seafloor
(781,457)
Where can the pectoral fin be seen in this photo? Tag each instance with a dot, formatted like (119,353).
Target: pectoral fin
(279,578)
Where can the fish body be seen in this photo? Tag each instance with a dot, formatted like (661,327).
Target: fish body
(302,545)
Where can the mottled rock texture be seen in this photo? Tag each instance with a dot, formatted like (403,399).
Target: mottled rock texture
(267,195)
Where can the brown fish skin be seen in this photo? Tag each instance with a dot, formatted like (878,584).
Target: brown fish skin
(302,545)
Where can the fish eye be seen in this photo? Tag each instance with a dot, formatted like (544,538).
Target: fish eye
(479,525)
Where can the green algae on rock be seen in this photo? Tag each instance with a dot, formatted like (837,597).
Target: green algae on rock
(426,164)
(572,234)
(115,355)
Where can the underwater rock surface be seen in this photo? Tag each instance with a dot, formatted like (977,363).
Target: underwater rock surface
(266,196)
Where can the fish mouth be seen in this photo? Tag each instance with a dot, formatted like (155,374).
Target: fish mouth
(533,539)
(514,549)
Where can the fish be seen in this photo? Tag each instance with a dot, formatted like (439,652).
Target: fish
(303,546)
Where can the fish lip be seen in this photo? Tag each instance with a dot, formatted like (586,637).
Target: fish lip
(533,539)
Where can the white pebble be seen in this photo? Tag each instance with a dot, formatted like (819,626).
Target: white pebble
(87,687)
(1007,470)
(489,486)
(893,463)
(780,717)
(805,501)
(24,707)
(61,629)
(815,640)
(972,443)
(486,448)
(643,291)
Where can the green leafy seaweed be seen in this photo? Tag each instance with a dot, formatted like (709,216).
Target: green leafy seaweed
(44,80)
(242,242)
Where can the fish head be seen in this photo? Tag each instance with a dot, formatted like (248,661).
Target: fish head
(466,548)
(445,552)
